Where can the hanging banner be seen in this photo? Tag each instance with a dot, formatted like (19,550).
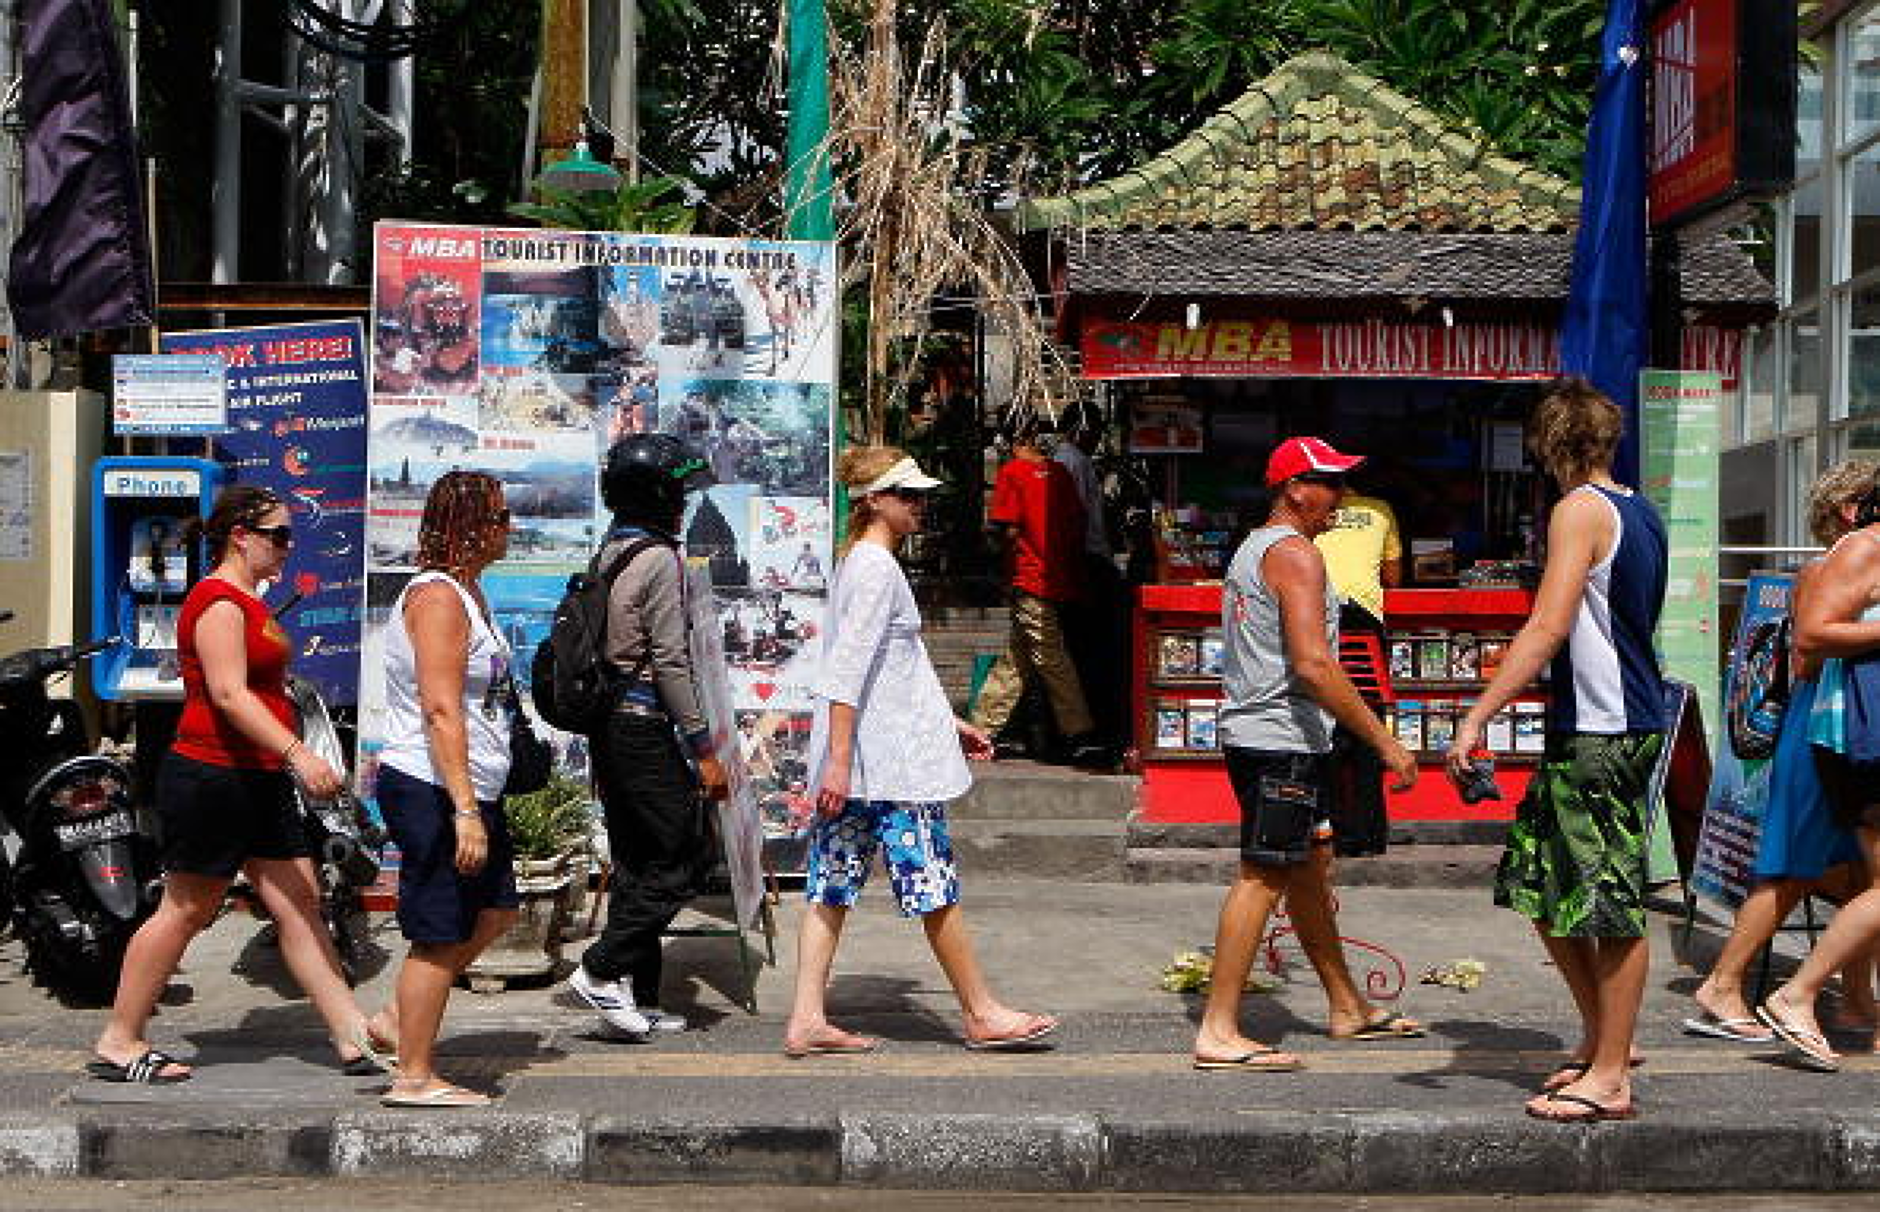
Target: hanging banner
(527,353)
(297,425)
(1270,347)
(1683,434)
(1739,788)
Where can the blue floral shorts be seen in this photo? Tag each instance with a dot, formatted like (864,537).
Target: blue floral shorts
(919,855)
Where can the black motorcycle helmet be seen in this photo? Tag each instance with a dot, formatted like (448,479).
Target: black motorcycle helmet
(646,477)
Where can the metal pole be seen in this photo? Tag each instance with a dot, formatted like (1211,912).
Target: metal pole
(400,89)
(525,181)
(293,182)
(226,189)
(624,102)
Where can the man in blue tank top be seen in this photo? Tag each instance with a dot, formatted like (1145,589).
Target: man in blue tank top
(1283,688)
(1575,863)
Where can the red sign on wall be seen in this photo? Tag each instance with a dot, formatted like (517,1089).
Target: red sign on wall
(1694,105)
(1274,348)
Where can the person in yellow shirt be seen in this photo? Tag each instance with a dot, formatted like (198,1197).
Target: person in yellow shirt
(1363,555)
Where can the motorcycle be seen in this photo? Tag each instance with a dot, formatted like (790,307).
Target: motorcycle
(346,839)
(85,876)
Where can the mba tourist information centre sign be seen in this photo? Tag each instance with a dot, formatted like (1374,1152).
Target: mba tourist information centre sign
(1269,347)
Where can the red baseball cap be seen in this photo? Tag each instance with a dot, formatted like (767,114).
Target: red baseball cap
(1302,456)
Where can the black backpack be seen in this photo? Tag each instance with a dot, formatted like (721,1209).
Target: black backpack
(571,680)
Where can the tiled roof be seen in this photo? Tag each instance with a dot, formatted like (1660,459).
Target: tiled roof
(1354,266)
(1318,146)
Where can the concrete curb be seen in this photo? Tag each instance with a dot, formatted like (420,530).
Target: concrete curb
(1272,1151)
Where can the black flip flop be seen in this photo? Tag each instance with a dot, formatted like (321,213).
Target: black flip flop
(1595,1112)
(1389,1025)
(146,1070)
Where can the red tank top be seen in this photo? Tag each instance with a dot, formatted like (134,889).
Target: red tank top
(204,734)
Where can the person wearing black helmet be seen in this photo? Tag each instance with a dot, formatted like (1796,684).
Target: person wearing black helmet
(656,828)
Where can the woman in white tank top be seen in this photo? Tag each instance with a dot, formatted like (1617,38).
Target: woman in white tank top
(448,696)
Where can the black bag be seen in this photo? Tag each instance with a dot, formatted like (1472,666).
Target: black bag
(1759,697)
(574,684)
(531,759)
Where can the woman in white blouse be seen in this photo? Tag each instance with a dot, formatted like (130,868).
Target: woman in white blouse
(886,754)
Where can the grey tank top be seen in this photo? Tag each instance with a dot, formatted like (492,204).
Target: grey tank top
(1263,705)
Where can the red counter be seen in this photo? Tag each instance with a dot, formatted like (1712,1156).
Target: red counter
(1442,644)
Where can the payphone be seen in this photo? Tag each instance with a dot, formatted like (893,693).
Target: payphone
(142,566)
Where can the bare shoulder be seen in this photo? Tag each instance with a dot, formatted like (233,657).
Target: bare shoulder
(1582,509)
(1294,559)
(1856,554)
(435,602)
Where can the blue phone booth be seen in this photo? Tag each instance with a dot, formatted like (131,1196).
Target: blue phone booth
(141,567)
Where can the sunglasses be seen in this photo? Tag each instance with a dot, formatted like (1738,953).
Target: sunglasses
(1330,479)
(913,496)
(280,536)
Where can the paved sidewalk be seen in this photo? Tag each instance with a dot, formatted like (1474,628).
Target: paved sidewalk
(1113,1106)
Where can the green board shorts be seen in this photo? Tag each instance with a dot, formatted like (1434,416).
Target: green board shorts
(1576,861)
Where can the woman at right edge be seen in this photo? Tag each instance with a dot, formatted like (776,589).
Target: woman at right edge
(1839,619)
(1575,863)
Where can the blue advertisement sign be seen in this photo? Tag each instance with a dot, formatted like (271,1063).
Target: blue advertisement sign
(1739,787)
(297,425)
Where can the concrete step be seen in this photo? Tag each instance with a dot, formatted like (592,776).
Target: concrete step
(1031,791)
(1401,867)
(1402,833)
(1084,850)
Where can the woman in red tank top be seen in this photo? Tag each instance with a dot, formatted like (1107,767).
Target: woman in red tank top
(226,799)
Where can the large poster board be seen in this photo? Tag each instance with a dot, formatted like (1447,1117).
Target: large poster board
(1739,789)
(527,353)
(297,425)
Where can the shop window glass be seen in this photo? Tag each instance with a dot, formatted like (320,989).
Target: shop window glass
(1863,353)
(1863,78)
(1863,206)
(1805,246)
(1804,373)
(1802,472)
(1759,394)
(1861,441)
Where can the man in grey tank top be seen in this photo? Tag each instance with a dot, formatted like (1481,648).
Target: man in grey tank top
(1283,689)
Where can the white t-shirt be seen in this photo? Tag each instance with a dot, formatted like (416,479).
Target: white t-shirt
(486,717)
(907,745)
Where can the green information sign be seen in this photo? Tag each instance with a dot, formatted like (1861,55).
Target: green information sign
(1682,423)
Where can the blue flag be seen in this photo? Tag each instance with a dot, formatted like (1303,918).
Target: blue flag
(1606,334)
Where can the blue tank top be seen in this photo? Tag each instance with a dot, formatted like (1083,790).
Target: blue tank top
(1606,678)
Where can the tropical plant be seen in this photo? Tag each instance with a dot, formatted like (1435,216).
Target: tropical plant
(631,207)
(549,823)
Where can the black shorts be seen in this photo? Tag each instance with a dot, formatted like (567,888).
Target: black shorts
(1852,791)
(215,818)
(437,903)
(1285,804)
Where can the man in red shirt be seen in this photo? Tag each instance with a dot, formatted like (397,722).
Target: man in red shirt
(1036,508)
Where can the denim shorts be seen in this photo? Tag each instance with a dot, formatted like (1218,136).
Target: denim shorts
(1285,804)
(436,902)
(919,855)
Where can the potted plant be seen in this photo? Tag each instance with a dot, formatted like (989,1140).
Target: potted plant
(550,829)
